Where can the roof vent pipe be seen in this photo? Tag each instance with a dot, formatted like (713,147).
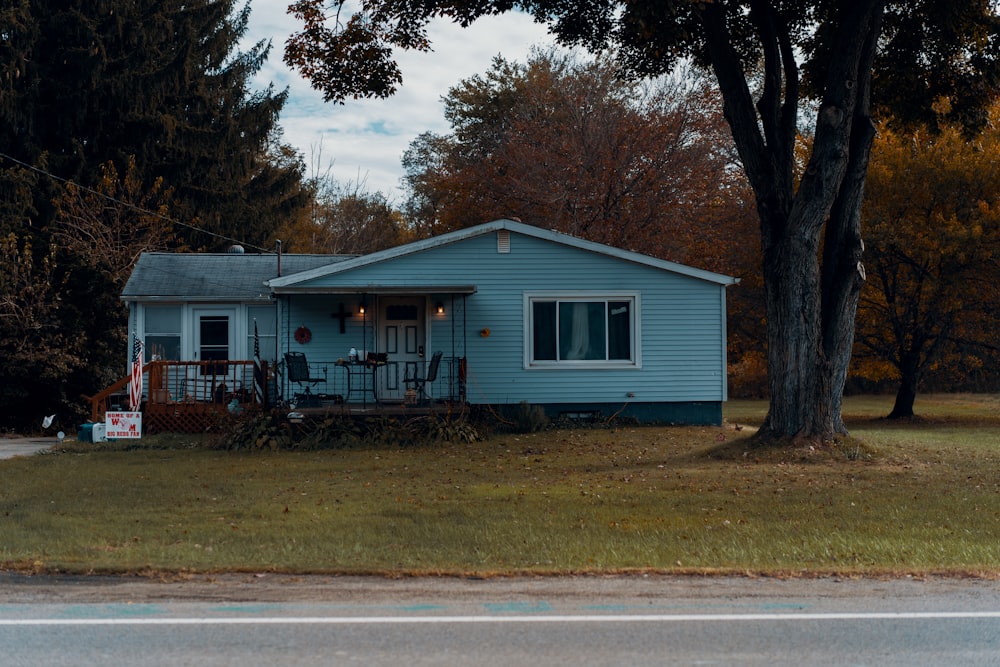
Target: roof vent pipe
(279,257)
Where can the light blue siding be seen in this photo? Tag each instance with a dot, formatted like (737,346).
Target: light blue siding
(327,344)
(682,326)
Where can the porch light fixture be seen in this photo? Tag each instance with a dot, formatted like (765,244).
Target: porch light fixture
(361,308)
(440,308)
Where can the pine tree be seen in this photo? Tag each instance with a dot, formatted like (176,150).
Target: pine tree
(91,81)
(157,89)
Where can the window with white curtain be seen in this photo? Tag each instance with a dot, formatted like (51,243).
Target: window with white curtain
(584,330)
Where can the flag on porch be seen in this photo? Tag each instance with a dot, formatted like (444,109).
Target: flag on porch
(258,369)
(135,377)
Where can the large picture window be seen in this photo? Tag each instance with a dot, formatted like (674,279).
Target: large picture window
(582,330)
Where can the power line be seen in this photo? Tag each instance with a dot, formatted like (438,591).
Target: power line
(134,207)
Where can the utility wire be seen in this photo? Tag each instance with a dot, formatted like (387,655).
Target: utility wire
(129,205)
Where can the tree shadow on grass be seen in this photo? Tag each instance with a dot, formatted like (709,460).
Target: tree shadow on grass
(756,449)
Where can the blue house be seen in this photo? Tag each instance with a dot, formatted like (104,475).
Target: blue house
(493,315)
(520,313)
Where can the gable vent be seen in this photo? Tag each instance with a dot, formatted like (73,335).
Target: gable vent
(503,241)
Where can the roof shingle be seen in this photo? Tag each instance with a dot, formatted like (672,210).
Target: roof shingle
(160,276)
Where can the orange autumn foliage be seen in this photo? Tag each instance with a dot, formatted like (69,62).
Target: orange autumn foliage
(932,214)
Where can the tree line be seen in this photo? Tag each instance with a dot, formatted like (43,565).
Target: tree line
(131,126)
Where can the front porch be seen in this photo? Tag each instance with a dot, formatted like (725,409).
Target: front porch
(378,382)
(198,396)
(371,345)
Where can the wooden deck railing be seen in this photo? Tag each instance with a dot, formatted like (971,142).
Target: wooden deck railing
(195,396)
(104,400)
(185,389)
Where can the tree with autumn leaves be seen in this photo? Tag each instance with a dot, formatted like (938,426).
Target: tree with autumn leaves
(564,143)
(344,220)
(932,233)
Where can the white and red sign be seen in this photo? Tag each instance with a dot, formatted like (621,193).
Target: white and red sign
(123,424)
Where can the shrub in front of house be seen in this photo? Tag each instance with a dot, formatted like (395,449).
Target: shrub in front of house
(274,431)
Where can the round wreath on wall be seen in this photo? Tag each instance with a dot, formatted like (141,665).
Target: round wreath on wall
(303,335)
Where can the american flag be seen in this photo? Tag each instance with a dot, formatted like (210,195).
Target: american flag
(135,377)
(258,368)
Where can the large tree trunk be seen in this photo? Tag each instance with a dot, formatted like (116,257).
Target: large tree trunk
(843,272)
(810,308)
(797,372)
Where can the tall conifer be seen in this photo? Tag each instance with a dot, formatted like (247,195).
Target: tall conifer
(85,83)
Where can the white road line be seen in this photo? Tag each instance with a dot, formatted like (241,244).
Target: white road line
(416,620)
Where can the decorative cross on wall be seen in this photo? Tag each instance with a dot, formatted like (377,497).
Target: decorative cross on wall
(341,315)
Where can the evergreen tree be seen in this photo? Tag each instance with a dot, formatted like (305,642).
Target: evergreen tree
(85,82)
(158,90)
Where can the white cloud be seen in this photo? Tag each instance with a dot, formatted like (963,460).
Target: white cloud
(365,139)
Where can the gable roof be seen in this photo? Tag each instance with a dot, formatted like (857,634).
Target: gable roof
(166,276)
(289,281)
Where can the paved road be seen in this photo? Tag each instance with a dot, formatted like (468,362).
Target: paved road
(250,620)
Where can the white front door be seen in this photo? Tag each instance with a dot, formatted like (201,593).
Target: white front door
(402,338)
(214,340)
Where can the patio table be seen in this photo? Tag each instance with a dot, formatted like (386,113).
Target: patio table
(361,377)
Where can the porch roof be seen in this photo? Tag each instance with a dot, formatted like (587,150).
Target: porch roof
(375,290)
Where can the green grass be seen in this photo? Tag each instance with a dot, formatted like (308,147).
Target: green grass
(604,500)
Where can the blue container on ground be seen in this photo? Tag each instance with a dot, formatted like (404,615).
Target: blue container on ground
(86,433)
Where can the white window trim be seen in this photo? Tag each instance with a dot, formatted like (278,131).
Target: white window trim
(574,295)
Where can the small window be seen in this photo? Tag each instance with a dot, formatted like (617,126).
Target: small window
(213,336)
(163,333)
(266,319)
(582,331)
(401,312)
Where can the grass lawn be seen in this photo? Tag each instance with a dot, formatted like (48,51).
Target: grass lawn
(918,497)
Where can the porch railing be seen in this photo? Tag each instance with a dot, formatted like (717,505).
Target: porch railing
(192,395)
(194,386)
(390,378)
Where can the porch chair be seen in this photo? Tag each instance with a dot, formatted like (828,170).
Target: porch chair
(420,383)
(298,372)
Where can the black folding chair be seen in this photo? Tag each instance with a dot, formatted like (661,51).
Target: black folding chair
(419,384)
(298,372)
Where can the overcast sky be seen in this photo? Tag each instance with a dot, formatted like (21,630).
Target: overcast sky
(365,140)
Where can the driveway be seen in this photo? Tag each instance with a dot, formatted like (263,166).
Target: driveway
(22,446)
